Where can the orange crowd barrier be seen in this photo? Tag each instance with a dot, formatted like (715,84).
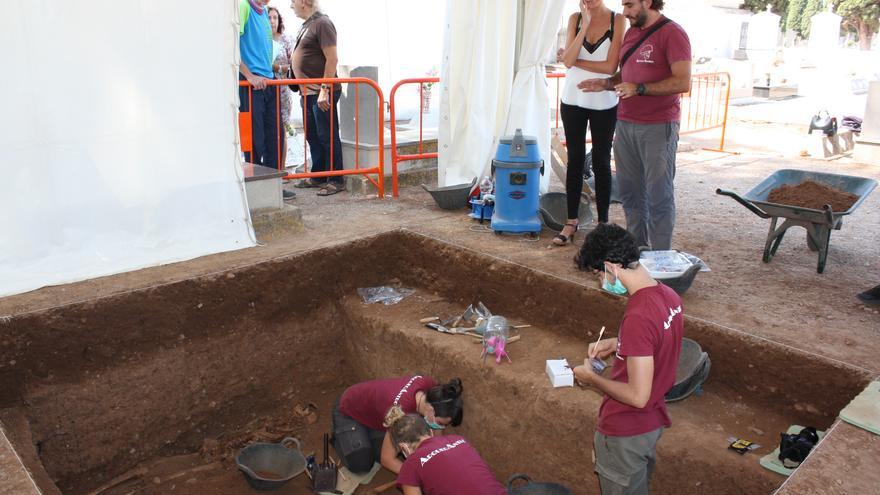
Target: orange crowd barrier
(395,156)
(704,107)
(245,126)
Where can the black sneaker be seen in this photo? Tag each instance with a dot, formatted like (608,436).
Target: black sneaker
(287,194)
(870,296)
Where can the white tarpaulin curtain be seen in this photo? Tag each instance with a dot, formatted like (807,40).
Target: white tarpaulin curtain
(481,101)
(476,80)
(529,101)
(118,137)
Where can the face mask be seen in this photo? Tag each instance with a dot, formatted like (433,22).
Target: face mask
(615,288)
(434,426)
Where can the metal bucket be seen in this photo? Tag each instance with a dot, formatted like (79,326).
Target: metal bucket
(267,466)
(693,369)
(534,488)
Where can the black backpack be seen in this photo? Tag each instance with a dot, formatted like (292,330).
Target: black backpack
(793,449)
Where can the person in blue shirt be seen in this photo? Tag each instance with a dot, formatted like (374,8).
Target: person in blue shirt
(255,45)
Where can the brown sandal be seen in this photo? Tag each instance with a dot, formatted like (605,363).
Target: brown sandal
(330,189)
(562,239)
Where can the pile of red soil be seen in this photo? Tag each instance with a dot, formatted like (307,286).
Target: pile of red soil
(812,194)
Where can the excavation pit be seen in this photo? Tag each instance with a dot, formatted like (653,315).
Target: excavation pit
(154,391)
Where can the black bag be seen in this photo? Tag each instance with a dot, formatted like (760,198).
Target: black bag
(793,449)
(824,122)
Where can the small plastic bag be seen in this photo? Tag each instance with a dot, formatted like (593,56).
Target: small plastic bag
(385,295)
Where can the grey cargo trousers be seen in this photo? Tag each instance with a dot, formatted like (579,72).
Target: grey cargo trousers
(644,156)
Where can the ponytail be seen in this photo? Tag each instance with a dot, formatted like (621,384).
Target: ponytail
(446,401)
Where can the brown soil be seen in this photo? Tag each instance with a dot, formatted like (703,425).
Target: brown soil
(812,194)
(221,361)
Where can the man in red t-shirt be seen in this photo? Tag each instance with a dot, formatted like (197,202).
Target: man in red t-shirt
(646,352)
(655,68)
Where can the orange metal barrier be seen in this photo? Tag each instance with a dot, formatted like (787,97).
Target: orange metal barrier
(704,107)
(379,169)
(395,157)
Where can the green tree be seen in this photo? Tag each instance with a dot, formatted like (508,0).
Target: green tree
(860,16)
(811,8)
(794,15)
(776,6)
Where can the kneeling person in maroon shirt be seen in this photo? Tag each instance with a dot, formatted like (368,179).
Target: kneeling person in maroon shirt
(646,351)
(360,418)
(442,465)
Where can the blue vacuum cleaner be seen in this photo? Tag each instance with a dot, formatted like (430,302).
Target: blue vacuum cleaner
(517,168)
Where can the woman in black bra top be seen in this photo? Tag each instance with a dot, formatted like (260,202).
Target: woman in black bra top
(592,50)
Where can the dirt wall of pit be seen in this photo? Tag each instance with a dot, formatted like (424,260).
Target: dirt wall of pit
(110,383)
(779,377)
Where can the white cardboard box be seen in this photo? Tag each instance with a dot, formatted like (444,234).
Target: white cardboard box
(559,373)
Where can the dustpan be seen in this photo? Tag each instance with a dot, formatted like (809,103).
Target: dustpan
(451,197)
(554,210)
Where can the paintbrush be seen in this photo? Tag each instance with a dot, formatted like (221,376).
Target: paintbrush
(595,347)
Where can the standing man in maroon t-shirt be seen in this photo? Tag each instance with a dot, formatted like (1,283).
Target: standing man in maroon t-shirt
(646,351)
(655,68)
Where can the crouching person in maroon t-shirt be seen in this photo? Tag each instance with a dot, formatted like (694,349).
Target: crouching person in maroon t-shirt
(646,351)
(360,419)
(442,465)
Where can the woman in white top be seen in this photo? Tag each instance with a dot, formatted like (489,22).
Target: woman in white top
(592,51)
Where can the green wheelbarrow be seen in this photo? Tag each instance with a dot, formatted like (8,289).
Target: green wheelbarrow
(818,223)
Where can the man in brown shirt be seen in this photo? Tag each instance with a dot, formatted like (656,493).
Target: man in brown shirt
(314,57)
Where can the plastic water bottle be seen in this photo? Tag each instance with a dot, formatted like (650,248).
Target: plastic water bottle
(497,326)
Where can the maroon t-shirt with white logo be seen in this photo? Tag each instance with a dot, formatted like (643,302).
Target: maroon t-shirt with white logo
(652,326)
(651,62)
(448,465)
(369,402)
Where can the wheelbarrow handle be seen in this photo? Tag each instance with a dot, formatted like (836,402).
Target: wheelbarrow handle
(743,201)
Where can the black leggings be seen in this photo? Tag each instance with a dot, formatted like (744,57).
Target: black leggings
(575,120)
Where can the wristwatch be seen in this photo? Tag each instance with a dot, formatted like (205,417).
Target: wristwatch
(640,89)
(325,87)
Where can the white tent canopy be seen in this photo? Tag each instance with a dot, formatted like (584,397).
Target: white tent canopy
(115,152)
(530,103)
(481,100)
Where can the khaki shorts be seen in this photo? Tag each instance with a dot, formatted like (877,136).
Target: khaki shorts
(625,464)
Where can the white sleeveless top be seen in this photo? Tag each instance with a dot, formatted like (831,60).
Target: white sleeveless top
(571,95)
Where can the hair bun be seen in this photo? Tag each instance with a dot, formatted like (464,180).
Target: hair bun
(393,414)
(453,388)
